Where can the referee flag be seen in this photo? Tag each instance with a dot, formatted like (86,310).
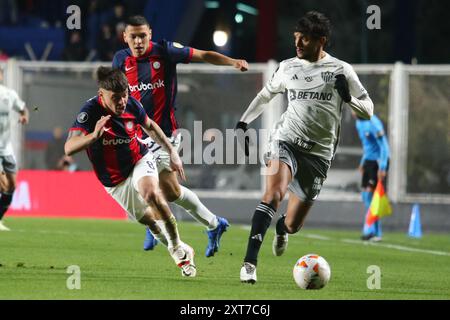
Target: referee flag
(379,207)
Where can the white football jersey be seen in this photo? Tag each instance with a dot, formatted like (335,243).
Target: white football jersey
(313,117)
(9,100)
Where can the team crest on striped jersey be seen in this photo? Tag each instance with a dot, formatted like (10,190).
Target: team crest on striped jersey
(327,76)
(156,65)
(129,126)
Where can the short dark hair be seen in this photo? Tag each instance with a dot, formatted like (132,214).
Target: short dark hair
(112,79)
(137,21)
(315,25)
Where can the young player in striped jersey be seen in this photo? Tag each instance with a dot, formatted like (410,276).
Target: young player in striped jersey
(304,141)
(107,128)
(151,71)
(9,101)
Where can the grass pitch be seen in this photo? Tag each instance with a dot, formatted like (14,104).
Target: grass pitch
(35,255)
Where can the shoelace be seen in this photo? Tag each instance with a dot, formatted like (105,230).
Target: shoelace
(248,268)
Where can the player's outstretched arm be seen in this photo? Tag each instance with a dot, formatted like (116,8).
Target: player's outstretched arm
(253,111)
(155,132)
(78,141)
(219,59)
(256,107)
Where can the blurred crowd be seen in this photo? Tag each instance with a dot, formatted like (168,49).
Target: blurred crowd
(102,24)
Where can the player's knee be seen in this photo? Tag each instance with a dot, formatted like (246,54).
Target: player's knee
(273,197)
(151,197)
(10,187)
(171,191)
(172,194)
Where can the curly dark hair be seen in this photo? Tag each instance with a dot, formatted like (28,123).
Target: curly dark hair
(315,25)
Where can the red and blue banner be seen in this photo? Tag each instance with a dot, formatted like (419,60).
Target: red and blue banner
(63,194)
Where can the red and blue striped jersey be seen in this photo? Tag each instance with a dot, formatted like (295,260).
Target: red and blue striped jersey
(115,154)
(152,79)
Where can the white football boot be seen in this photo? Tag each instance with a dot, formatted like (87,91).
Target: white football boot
(183,255)
(279,244)
(248,273)
(3,227)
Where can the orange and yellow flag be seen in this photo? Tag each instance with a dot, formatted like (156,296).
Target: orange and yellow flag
(379,207)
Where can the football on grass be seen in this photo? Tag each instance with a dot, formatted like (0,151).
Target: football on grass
(311,272)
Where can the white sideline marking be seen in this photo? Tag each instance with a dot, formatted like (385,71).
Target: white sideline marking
(397,247)
(304,235)
(359,242)
(315,236)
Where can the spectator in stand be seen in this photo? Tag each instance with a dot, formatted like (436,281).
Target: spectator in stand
(76,49)
(55,149)
(106,44)
(118,16)
(8,12)
(119,43)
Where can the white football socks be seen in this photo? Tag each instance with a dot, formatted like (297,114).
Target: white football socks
(190,201)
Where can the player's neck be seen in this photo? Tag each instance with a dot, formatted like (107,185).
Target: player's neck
(321,54)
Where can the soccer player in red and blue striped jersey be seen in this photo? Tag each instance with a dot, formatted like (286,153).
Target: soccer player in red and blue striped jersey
(151,71)
(106,128)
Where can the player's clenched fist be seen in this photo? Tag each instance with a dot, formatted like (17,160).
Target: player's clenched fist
(341,85)
(242,65)
(246,142)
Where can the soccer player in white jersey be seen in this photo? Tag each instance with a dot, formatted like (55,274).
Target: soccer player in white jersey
(9,101)
(304,141)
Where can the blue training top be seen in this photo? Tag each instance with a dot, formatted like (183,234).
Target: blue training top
(374,141)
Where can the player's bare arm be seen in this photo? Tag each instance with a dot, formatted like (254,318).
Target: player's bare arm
(78,141)
(24,116)
(219,59)
(155,132)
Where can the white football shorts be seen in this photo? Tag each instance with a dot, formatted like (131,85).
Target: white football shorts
(162,157)
(127,193)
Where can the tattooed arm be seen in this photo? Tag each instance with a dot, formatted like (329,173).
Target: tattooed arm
(78,141)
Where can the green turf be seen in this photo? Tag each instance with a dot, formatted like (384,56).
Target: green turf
(34,258)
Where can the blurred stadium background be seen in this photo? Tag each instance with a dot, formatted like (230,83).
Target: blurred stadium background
(405,66)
